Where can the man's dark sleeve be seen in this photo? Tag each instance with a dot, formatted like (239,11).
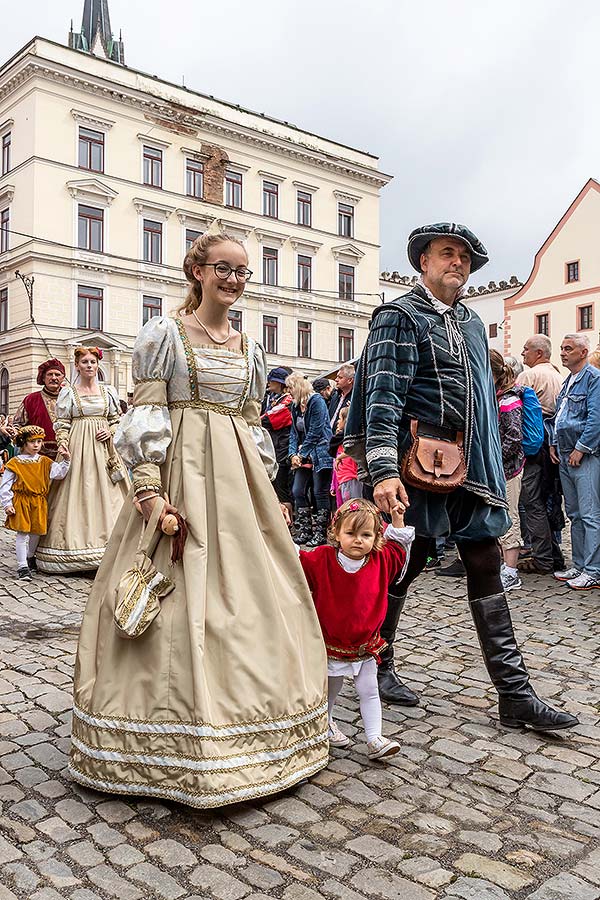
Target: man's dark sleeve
(391,362)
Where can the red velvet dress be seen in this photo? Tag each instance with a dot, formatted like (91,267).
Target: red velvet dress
(352,606)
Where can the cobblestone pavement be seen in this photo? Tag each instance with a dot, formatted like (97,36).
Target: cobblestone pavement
(467,810)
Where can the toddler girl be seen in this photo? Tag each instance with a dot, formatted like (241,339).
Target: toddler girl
(24,494)
(349,580)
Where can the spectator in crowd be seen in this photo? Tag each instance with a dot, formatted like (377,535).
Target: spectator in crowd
(344,482)
(510,421)
(594,358)
(323,387)
(344,382)
(39,407)
(515,364)
(277,420)
(425,373)
(311,463)
(539,488)
(8,433)
(576,448)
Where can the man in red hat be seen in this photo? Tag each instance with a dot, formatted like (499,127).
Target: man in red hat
(39,407)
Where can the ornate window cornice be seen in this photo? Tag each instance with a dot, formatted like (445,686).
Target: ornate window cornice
(7,192)
(268,176)
(347,253)
(6,125)
(198,221)
(153,142)
(235,229)
(303,245)
(307,188)
(344,197)
(91,190)
(270,238)
(150,208)
(89,120)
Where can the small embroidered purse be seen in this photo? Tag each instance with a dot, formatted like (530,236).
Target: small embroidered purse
(142,587)
(433,464)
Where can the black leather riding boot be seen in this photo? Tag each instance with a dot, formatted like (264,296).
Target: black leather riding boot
(518,703)
(390,686)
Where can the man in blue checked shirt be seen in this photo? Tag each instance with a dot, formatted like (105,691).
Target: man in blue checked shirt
(576,448)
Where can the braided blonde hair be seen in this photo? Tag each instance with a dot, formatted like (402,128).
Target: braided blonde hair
(197,256)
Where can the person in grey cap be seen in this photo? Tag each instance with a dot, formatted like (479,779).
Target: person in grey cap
(426,361)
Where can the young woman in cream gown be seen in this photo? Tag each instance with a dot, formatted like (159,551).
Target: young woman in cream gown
(223,698)
(83,509)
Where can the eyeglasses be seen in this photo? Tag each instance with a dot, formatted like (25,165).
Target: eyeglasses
(223,270)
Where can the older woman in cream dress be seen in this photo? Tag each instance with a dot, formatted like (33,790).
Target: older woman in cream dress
(223,698)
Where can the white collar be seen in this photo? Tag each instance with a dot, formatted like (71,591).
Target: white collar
(438,305)
(26,458)
(350,565)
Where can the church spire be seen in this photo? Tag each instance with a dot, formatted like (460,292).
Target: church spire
(96,35)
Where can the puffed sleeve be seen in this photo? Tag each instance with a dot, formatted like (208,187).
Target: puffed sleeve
(251,409)
(64,415)
(144,433)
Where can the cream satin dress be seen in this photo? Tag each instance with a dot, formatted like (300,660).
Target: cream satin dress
(83,509)
(223,698)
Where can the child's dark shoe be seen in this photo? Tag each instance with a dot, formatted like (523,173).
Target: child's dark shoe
(32,563)
(23,572)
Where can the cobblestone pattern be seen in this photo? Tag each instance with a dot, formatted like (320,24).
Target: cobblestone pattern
(466,810)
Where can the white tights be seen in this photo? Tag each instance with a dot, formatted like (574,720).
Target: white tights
(368,695)
(26,545)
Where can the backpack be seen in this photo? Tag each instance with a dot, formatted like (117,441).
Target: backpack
(533,423)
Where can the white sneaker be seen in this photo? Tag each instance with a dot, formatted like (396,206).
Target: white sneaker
(509,581)
(381,747)
(337,738)
(583,582)
(567,574)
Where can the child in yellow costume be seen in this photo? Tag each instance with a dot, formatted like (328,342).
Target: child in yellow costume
(24,494)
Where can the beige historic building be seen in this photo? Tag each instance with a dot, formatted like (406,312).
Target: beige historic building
(108,174)
(486,300)
(562,294)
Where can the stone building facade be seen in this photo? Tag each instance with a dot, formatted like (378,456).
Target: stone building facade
(108,174)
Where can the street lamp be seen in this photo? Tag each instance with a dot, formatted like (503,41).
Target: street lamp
(28,282)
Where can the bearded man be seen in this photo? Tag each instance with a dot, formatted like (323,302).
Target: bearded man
(425,373)
(39,407)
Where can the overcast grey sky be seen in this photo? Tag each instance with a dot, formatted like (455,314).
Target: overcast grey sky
(485,111)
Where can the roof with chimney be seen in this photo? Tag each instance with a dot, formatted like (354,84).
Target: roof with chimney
(96,35)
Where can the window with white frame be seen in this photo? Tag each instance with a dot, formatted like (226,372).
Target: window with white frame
(346,344)
(90,228)
(270,265)
(346,282)
(90,301)
(190,236)
(345,220)
(233,189)
(304,208)
(304,273)
(4,309)
(271,199)
(194,178)
(270,333)
(304,340)
(235,317)
(153,165)
(4,390)
(4,230)
(6,149)
(151,306)
(91,150)
(152,241)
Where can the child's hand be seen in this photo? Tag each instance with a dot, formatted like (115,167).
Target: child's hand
(286,513)
(65,455)
(9,510)
(397,513)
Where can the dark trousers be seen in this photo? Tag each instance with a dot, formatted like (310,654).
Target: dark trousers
(321,482)
(546,551)
(481,560)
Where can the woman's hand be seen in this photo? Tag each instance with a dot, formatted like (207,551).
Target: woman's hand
(103,435)
(147,505)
